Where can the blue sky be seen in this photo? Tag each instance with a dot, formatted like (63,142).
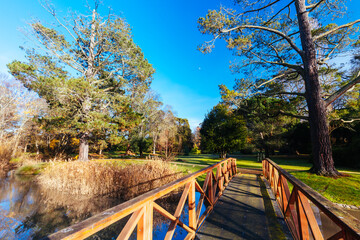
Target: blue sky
(167,33)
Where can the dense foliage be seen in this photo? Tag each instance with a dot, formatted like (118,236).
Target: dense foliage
(222,131)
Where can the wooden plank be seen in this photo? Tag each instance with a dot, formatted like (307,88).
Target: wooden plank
(190,236)
(214,185)
(290,210)
(178,211)
(130,225)
(286,191)
(141,228)
(302,220)
(201,191)
(219,179)
(210,188)
(168,215)
(192,207)
(163,212)
(206,182)
(199,207)
(337,236)
(314,227)
(148,230)
(205,214)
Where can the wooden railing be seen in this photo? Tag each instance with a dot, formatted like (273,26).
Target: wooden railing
(142,206)
(297,210)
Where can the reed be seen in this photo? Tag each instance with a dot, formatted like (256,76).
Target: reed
(98,178)
(5,157)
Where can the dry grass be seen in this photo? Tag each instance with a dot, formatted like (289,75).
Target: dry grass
(5,157)
(98,178)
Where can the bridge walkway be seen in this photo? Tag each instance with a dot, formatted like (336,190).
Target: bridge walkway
(245,211)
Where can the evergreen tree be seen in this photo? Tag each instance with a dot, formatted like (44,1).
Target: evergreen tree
(222,131)
(86,70)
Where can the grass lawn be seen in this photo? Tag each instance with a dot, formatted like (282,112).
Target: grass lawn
(344,190)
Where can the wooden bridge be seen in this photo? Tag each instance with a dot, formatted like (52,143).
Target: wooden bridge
(230,206)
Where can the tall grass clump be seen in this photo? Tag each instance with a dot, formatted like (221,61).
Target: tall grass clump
(97,178)
(5,157)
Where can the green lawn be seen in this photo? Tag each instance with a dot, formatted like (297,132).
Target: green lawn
(345,190)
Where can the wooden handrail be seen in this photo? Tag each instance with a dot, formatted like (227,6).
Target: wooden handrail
(297,211)
(142,206)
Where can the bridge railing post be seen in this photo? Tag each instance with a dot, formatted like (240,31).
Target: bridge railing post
(192,206)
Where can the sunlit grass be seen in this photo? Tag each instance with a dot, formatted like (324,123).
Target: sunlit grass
(345,190)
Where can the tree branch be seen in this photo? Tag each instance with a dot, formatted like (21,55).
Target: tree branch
(341,91)
(293,115)
(288,93)
(279,33)
(336,29)
(273,16)
(312,7)
(297,68)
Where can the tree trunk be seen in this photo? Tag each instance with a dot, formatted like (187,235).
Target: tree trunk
(154,144)
(267,152)
(128,149)
(84,147)
(323,163)
(37,148)
(141,147)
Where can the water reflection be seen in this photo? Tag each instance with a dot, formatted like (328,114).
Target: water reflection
(27,213)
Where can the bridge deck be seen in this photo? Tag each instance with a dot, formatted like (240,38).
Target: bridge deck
(244,211)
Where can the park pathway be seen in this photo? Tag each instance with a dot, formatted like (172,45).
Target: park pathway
(244,211)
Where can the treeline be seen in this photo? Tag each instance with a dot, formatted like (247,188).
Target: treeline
(86,88)
(227,131)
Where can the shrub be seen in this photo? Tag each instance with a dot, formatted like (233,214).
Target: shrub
(99,178)
(195,150)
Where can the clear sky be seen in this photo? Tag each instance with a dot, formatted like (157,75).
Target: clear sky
(166,31)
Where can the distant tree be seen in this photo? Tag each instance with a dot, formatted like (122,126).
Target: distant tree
(267,36)
(85,69)
(18,109)
(196,137)
(167,135)
(266,127)
(222,131)
(183,136)
(155,127)
(147,105)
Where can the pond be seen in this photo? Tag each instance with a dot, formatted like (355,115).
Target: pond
(26,213)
